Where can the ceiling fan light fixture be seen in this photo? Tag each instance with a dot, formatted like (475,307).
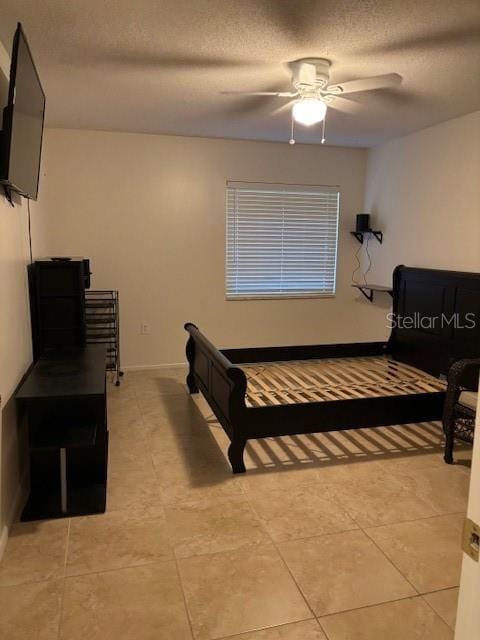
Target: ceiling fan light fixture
(309,111)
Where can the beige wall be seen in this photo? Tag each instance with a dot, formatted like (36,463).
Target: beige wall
(150,213)
(15,356)
(424,192)
(15,343)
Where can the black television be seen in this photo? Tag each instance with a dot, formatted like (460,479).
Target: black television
(23,117)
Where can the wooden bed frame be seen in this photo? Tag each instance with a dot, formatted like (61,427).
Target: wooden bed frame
(263,392)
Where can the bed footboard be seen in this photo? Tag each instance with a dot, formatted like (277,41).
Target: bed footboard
(224,387)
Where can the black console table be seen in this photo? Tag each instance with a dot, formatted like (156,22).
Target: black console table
(63,403)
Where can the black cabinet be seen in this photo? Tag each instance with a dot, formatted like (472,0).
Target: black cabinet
(63,403)
(57,302)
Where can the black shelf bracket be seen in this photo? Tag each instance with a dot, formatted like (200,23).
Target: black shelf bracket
(359,235)
(368,293)
(368,290)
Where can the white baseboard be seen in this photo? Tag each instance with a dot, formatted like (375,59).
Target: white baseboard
(14,512)
(148,367)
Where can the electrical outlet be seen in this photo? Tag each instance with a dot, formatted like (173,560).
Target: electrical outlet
(145,329)
(471,539)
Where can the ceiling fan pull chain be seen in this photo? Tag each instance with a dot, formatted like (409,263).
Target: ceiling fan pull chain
(292,138)
(323,128)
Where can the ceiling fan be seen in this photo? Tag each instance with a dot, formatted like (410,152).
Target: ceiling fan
(312,95)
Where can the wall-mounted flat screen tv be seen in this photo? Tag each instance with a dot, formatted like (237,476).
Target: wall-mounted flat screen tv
(21,136)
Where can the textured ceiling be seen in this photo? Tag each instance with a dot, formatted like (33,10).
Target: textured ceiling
(158,65)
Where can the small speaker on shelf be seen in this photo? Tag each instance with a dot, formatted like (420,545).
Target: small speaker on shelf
(363,222)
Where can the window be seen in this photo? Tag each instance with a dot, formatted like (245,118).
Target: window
(281,240)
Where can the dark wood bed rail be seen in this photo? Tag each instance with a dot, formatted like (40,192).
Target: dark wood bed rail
(223,385)
(305,352)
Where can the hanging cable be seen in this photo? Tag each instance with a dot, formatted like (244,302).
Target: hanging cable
(358,263)
(29,231)
(369,259)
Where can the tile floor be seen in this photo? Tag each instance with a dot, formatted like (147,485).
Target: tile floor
(340,536)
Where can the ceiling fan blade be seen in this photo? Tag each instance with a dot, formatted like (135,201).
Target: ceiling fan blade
(295,19)
(281,94)
(468,34)
(342,104)
(365,84)
(138,59)
(283,108)
(243,103)
(172,61)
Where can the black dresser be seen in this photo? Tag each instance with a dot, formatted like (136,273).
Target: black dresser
(62,401)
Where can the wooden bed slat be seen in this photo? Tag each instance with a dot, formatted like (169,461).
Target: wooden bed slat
(297,381)
(344,387)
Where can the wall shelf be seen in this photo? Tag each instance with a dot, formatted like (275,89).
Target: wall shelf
(368,290)
(360,234)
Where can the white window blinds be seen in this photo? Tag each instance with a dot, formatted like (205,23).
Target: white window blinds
(281,240)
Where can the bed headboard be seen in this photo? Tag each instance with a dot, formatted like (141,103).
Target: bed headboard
(436,316)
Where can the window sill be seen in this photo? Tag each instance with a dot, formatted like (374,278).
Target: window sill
(299,296)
